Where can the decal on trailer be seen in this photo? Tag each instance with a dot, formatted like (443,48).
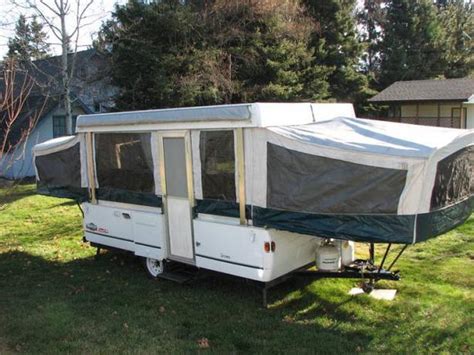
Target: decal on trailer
(91,226)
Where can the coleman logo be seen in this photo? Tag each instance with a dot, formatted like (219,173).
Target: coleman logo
(91,226)
(223,256)
(102,230)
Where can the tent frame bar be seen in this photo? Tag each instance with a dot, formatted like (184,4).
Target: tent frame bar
(90,167)
(239,135)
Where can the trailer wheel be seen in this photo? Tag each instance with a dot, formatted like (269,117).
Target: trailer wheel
(153,267)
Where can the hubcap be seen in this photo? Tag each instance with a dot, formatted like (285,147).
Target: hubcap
(154,266)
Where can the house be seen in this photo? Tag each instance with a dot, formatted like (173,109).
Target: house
(91,92)
(444,103)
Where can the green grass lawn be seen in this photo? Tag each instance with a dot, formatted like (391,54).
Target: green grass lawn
(56,297)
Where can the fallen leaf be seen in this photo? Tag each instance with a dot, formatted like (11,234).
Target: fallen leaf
(203,343)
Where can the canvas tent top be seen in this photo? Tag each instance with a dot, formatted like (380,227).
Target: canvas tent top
(222,116)
(376,137)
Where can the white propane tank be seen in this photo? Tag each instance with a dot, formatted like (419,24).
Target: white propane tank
(347,252)
(328,257)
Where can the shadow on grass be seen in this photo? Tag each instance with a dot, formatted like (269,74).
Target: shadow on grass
(15,193)
(109,304)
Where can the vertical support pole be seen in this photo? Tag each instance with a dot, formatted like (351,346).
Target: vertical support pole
(462,123)
(239,135)
(372,253)
(384,257)
(189,167)
(90,167)
(438,122)
(417,113)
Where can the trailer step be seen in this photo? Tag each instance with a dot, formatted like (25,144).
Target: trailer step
(178,273)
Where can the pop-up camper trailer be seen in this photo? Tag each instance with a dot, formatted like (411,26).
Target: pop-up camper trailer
(251,189)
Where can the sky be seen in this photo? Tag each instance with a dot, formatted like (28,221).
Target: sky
(99,11)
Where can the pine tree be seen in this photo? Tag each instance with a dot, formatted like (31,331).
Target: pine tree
(168,54)
(338,47)
(370,19)
(269,45)
(39,40)
(19,45)
(457,18)
(413,42)
(29,42)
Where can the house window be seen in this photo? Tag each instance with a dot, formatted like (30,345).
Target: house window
(59,126)
(218,165)
(395,111)
(74,121)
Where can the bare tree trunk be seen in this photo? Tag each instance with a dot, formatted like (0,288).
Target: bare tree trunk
(56,15)
(64,69)
(14,134)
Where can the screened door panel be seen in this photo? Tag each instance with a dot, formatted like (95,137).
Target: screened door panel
(175,167)
(178,208)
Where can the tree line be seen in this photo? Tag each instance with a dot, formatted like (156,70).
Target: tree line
(172,53)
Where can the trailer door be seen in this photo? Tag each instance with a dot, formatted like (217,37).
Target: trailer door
(177,190)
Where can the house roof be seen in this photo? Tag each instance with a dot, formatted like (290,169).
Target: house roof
(46,73)
(46,92)
(426,90)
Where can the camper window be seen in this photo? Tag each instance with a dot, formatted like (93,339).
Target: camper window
(124,162)
(299,182)
(218,165)
(454,179)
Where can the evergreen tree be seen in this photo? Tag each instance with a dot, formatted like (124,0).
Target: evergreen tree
(168,54)
(338,47)
(269,45)
(29,42)
(39,40)
(19,45)
(370,19)
(413,42)
(457,18)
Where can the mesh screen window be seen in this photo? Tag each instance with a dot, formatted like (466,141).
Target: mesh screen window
(218,165)
(124,161)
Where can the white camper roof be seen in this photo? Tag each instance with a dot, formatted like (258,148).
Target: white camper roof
(378,137)
(208,117)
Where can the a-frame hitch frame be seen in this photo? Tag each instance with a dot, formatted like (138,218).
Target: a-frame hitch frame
(359,269)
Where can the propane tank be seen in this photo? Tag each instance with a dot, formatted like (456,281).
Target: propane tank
(328,257)
(347,252)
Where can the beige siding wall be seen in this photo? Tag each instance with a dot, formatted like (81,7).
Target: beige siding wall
(428,110)
(427,114)
(470,116)
(408,111)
